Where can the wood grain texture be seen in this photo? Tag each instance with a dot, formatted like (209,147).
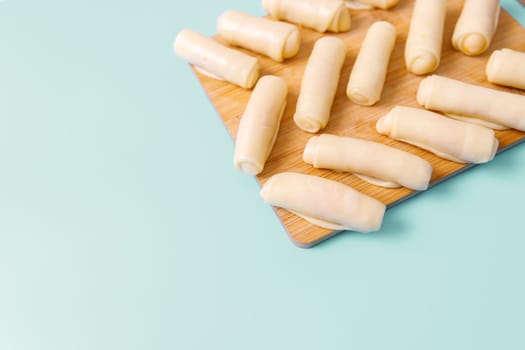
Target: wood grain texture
(349,119)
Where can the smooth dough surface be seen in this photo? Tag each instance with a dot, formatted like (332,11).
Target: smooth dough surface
(447,138)
(369,71)
(425,36)
(259,125)
(369,4)
(277,40)
(475,103)
(507,67)
(476,26)
(321,15)
(217,60)
(372,161)
(322,202)
(319,84)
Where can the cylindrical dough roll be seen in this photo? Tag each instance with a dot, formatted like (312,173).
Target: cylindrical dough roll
(476,26)
(322,202)
(369,72)
(507,67)
(425,36)
(277,40)
(369,4)
(475,104)
(321,15)
(448,138)
(216,59)
(259,124)
(373,162)
(319,84)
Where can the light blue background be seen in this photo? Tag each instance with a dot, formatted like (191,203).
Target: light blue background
(123,224)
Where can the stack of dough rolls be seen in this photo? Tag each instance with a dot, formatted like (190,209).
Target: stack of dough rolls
(507,67)
(319,84)
(322,202)
(370,4)
(476,26)
(447,138)
(277,40)
(216,60)
(369,72)
(425,36)
(259,124)
(373,162)
(475,104)
(321,15)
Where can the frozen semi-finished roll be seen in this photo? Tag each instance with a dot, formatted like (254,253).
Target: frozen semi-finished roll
(321,15)
(259,124)
(374,162)
(447,138)
(472,103)
(425,36)
(319,84)
(325,203)
(370,4)
(507,67)
(369,72)
(476,26)
(217,60)
(277,40)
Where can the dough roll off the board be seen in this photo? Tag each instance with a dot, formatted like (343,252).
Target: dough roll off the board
(507,67)
(325,203)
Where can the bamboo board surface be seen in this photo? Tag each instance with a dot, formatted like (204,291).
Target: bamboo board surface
(349,119)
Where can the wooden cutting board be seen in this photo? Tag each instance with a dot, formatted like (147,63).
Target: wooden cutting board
(350,119)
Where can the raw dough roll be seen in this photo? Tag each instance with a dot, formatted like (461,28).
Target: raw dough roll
(476,26)
(370,4)
(423,46)
(259,124)
(369,72)
(321,15)
(507,67)
(475,104)
(277,40)
(217,60)
(319,84)
(448,138)
(325,203)
(374,162)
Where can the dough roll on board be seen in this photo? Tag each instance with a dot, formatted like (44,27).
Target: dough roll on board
(369,71)
(319,84)
(507,67)
(374,162)
(216,60)
(277,40)
(425,36)
(472,103)
(322,202)
(476,26)
(321,15)
(447,138)
(259,125)
(370,4)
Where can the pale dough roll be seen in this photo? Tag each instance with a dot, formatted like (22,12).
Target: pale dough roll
(259,124)
(425,36)
(373,162)
(217,60)
(277,40)
(507,67)
(369,72)
(369,4)
(321,15)
(447,138)
(476,26)
(322,202)
(472,103)
(319,84)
